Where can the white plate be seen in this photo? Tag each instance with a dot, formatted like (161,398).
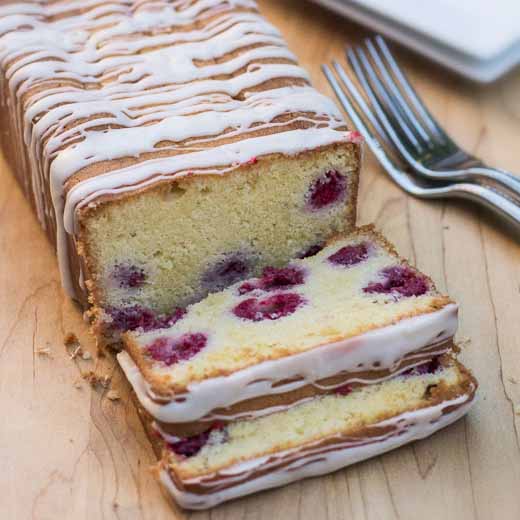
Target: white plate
(479,39)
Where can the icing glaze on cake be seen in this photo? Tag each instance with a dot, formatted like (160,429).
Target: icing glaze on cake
(265,404)
(317,458)
(385,347)
(144,90)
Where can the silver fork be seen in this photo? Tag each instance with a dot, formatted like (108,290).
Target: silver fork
(420,140)
(422,188)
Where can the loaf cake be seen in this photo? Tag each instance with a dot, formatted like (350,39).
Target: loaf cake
(319,436)
(201,196)
(169,148)
(353,313)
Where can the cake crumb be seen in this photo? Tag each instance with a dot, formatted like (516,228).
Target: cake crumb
(76,352)
(112,395)
(464,342)
(95,380)
(77,384)
(86,355)
(44,352)
(70,339)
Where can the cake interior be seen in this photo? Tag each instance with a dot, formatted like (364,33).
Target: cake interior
(319,419)
(172,245)
(324,302)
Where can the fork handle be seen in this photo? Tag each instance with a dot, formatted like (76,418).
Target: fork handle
(494,200)
(500,177)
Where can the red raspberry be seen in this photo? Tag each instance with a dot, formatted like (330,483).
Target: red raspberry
(344,389)
(331,187)
(401,279)
(171,351)
(271,308)
(274,279)
(350,255)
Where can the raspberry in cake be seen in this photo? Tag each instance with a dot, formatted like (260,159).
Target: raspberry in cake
(174,350)
(275,279)
(350,255)
(329,189)
(399,279)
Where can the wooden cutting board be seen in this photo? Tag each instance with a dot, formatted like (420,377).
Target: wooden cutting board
(68,451)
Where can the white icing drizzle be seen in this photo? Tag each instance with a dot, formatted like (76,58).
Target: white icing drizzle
(407,427)
(254,414)
(118,65)
(383,348)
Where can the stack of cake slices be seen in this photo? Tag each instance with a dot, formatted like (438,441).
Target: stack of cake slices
(335,358)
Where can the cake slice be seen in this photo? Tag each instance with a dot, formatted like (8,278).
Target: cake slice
(353,314)
(319,436)
(169,149)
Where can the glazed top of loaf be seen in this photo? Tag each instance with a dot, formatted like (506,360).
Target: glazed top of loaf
(112,96)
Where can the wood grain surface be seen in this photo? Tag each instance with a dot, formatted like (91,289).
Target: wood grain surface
(68,451)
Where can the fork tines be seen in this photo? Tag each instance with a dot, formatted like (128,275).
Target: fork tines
(385,108)
(391,105)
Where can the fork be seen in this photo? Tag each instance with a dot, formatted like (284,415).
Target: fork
(420,140)
(428,152)
(421,188)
